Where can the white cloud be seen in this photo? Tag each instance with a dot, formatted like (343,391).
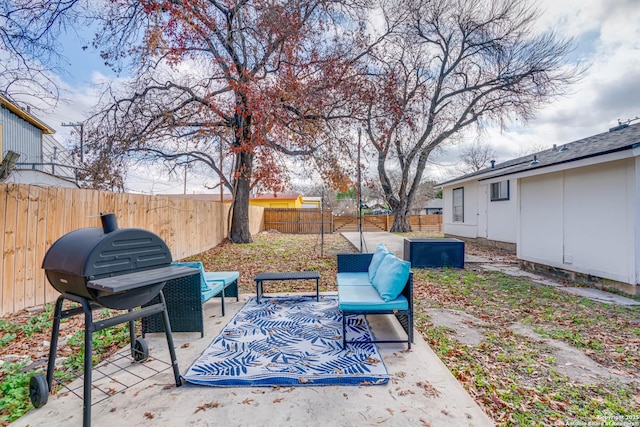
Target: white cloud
(570,18)
(608,37)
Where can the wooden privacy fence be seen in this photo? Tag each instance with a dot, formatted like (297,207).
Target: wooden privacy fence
(297,221)
(307,221)
(33,217)
(425,222)
(417,222)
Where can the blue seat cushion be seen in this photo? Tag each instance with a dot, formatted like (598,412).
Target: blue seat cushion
(211,282)
(225,277)
(353,279)
(217,281)
(212,291)
(366,298)
(391,277)
(378,255)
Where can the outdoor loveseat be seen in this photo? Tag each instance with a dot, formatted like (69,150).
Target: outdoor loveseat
(377,283)
(184,298)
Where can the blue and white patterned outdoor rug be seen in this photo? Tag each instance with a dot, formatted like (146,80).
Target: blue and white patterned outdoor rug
(286,341)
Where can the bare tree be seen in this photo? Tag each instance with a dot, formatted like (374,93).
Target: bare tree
(476,156)
(424,193)
(29,47)
(454,64)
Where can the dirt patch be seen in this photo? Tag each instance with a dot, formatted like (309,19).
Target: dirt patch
(468,329)
(572,362)
(568,360)
(491,255)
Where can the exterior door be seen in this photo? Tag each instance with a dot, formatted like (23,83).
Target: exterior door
(483,197)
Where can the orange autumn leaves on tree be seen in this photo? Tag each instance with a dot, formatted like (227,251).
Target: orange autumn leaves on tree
(264,78)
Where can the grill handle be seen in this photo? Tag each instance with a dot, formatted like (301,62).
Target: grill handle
(109,222)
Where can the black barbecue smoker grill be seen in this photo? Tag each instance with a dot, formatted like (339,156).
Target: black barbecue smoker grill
(108,267)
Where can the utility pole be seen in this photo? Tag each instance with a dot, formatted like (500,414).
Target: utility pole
(75,126)
(184,190)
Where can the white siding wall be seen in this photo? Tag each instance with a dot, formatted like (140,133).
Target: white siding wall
(36,177)
(598,239)
(540,229)
(468,228)
(483,218)
(503,215)
(20,136)
(581,220)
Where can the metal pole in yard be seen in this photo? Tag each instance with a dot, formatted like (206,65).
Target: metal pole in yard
(359,192)
(322,224)
(222,230)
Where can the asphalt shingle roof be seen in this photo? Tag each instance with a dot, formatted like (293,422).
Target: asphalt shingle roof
(620,138)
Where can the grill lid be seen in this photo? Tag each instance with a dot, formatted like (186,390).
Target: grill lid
(135,259)
(99,252)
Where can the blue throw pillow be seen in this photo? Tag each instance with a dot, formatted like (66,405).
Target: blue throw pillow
(380,252)
(391,277)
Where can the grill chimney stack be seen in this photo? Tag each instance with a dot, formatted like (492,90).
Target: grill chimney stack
(109,222)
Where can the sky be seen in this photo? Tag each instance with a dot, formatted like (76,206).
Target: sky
(607,36)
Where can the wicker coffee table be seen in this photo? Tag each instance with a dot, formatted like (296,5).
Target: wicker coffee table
(290,275)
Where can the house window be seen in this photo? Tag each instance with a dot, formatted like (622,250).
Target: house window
(500,191)
(458,204)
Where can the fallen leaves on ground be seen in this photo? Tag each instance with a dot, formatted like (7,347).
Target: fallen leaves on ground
(513,377)
(429,390)
(206,406)
(275,252)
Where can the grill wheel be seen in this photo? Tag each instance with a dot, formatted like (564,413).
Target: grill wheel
(140,351)
(38,390)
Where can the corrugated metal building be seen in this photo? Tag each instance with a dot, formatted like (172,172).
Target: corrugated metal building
(33,140)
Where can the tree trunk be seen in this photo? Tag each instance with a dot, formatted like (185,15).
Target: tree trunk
(401,221)
(240,231)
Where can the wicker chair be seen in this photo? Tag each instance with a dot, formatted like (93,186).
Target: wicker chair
(184,298)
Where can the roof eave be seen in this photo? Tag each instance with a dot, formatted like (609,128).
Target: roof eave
(26,116)
(573,159)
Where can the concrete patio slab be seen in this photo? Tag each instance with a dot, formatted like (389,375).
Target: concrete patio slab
(371,240)
(602,296)
(421,391)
